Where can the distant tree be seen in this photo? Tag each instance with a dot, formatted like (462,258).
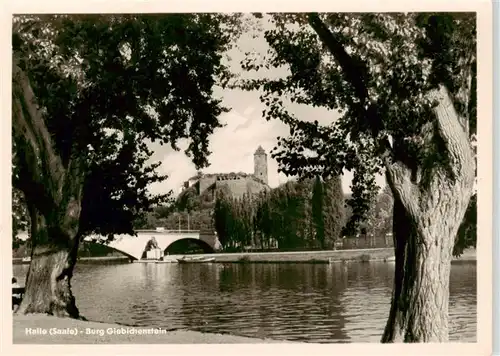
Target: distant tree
(247,212)
(222,218)
(188,200)
(379,217)
(318,208)
(163,211)
(282,215)
(292,218)
(263,223)
(335,215)
(467,234)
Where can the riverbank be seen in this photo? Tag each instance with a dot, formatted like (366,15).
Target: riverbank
(96,260)
(333,256)
(45,329)
(322,257)
(337,256)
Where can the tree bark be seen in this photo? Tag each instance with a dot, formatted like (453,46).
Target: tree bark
(53,192)
(419,308)
(427,217)
(53,257)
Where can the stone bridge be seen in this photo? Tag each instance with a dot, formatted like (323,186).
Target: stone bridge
(134,246)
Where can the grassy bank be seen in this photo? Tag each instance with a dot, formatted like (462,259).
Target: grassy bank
(44,329)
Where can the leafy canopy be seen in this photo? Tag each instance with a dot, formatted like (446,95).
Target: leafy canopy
(373,70)
(108,86)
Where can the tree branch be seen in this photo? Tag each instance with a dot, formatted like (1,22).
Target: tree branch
(355,72)
(453,132)
(398,178)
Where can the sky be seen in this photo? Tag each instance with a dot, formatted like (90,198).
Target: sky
(232,146)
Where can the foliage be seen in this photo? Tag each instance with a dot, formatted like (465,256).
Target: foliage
(374,69)
(380,218)
(467,234)
(317,211)
(189,199)
(334,211)
(108,85)
(223,218)
(20,217)
(379,221)
(283,216)
(176,220)
(287,217)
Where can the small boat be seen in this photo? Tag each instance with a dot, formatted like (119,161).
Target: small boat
(195,259)
(26,259)
(391,259)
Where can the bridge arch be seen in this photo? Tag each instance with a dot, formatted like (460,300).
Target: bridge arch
(134,246)
(172,247)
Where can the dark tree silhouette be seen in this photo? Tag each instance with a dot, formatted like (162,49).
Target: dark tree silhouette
(90,92)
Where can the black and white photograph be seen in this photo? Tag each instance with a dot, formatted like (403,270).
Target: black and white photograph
(291,178)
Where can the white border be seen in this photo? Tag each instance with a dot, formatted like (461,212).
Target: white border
(485,114)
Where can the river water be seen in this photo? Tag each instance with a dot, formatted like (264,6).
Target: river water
(300,302)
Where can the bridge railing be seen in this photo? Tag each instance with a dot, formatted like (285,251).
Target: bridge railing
(168,231)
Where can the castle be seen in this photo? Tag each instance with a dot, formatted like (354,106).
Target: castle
(238,184)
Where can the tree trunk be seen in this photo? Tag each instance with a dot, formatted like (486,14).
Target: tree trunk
(419,309)
(53,191)
(430,197)
(53,257)
(48,286)
(427,216)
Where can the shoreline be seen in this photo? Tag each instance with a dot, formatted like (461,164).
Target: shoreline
(96,260)
(313,257)
(334,256)
(46,329)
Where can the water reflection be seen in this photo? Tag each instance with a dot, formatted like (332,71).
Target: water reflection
(304,302)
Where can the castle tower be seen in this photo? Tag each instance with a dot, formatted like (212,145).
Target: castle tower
(260,164)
